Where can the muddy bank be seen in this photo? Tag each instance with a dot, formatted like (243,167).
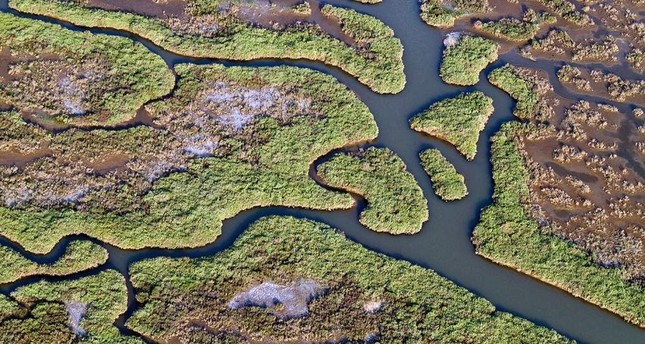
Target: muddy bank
(444,243)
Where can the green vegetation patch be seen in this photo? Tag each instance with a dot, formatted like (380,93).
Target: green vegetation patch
(72,78)
(636,59)
(78,256)
(366,295)
(81,310)
(457,120)
(442,13)
(8,308)
(395,201)
(567,10)
(514,29)
(446,181)
(360,45)
(525,87)
(507,235)
(229,139)
(465,57)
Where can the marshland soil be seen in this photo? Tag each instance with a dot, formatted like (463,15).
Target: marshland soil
(586,172)
(242,30)
(444,243)
(587,186)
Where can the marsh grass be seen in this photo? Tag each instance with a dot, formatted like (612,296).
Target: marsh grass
(128,74)
(446,181)
(523,91)
(514,29)
(463,62)
(186,209)
(78,256)
(443,14)
(43,317)
(457,120)
(567,10)
(395,202)
(381,69)
(507,235)
(417,305)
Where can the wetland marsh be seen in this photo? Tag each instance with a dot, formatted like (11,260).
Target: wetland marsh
(443,244)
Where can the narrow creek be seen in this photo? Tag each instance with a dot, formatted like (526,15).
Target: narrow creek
(444,243)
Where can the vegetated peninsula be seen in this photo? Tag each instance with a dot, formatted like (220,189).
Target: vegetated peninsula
(447,183)
(285,279)
(359,44)
(526,89)
(61,78)
(395,202)
(83,309)
(514,29)
(457,120)
(228,139)
(566,206)
(464,57)
(78,256)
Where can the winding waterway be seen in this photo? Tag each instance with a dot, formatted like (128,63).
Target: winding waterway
(444,243)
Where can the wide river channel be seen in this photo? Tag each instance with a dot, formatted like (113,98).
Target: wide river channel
(444,243)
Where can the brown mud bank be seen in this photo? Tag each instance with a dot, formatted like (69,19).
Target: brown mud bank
(603,84)
(604,31)
(584,185)
(443,244)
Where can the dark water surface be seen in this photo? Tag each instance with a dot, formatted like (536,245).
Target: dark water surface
(444,243)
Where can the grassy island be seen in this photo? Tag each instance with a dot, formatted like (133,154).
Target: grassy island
(81,310)
(358,44)
(457,120)
(61,78)
(341,289)
(78,256)
(446,181)
(440,13)
(229,139)
(395,202)
(465,57)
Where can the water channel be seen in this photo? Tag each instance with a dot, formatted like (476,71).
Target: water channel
(444,243)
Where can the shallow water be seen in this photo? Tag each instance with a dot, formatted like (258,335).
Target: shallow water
(444,243)
(21,159)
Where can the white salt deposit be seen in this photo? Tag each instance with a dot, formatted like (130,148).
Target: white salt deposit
(268,295)
(372,306)
(76,312)
(452,39)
